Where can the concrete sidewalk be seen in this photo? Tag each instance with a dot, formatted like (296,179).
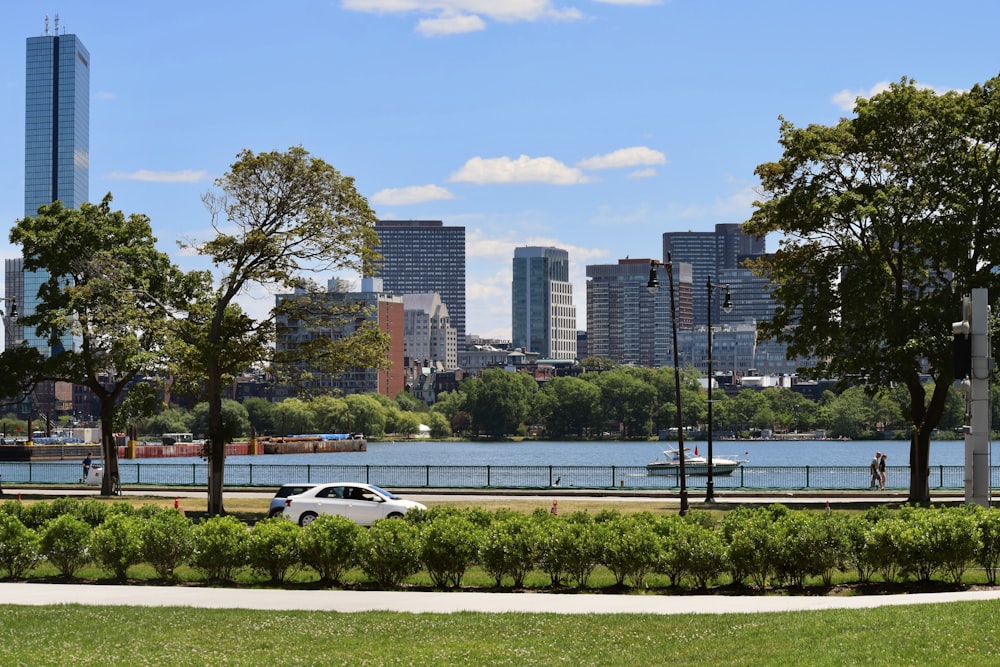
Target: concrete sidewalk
(444,603)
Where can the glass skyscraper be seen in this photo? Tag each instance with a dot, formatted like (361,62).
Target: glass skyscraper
(56,122)
(56,149)
(543,317)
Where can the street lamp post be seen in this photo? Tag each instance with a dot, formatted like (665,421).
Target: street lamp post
(9,316)
(727,305)
(652,286)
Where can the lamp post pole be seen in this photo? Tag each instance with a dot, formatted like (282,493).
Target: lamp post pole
(8,317)
(652,286)
(726,306)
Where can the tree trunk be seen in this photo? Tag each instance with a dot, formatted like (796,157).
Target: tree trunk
(920,448)
(216,445)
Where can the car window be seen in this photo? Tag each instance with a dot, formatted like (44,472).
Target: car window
(331,492)
(286,491)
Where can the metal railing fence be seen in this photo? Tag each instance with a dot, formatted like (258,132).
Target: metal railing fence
(486,476)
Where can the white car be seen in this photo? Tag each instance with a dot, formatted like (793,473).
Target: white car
(361,503)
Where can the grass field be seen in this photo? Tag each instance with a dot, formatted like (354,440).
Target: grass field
(966,633)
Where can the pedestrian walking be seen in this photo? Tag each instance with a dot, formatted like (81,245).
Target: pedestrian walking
(86,467)
(881,472)
(873,470)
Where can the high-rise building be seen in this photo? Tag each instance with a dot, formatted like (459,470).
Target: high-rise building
(424,256)
(543,315)
(627,322)
(56,149)
(709,253)
(430,340)
(385,310)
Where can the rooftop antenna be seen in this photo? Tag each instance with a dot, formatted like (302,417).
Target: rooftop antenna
(46,25)
(57,25)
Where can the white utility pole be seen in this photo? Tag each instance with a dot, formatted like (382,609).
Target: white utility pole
(975,324)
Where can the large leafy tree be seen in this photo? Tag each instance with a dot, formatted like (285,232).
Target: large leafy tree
(277,216)
(499,401)
(889,217)
(107,287)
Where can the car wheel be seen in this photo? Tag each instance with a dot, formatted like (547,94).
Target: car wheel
(395,515)
(307,518)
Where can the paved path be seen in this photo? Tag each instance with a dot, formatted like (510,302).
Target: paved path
(443,603)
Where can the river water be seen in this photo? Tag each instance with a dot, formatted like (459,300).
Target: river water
(610,453)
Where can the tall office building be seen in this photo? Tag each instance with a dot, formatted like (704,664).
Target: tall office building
(56,148)
(543,315)
(628,323)
(424,256)
(709,253)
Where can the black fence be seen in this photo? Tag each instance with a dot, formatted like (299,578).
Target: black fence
(486,477)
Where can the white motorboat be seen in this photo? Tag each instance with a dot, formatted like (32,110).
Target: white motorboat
(693,464)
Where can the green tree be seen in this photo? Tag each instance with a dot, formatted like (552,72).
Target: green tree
(627,398)
(276,216)
(235,423)
(367,414)
(331,415)
(260,412)
(571,406)
(108,287)
(499,401)
(171,420)
(292,416)
(888,218)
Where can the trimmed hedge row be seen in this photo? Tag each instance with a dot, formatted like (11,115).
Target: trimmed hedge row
(757,546)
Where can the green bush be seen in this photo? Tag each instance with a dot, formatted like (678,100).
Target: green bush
(390,551)
(632,548)
(220,547)
(584,547)
(808,544)
(509,548)
(65,542)
(19,546)
(330,545)
(691,548)
(167,541)
(449,545)
(272,548)
(988,550)
(748,533)
(886,547)
(117,543)
(859,551)
(954,539)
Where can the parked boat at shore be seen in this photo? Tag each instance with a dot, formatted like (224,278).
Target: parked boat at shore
(693,464)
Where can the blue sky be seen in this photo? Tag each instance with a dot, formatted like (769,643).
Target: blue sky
(593,126)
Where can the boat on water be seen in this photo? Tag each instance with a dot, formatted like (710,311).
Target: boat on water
(694,464)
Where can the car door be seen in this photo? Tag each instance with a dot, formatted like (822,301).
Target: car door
(330,500)
(364,506)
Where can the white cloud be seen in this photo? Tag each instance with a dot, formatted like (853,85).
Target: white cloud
(183,176)
(624,157)
(459,16)
(454,24)
(414,194)
(845,99)
(524,169)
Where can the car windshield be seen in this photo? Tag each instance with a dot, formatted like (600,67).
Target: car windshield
(387,494)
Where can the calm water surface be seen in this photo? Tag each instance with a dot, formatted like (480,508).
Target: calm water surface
(608,453)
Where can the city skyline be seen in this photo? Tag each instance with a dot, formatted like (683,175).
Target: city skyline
(590,126)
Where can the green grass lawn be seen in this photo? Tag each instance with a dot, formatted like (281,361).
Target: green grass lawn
(966,633)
